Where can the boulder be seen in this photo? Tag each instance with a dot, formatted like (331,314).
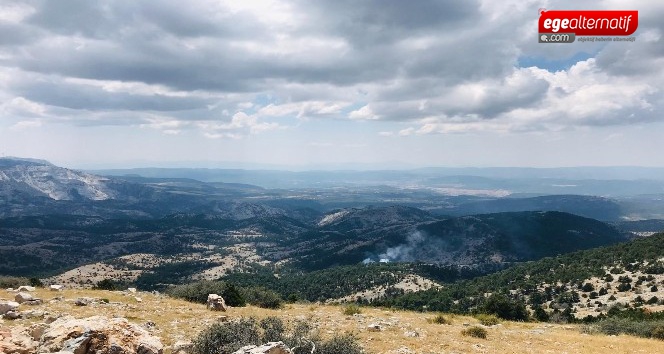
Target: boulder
(6,306)
(98,334)
(269,348)
(83,301)
(56,287)
(26,288)
(216,303)
(33,302)
(374,327)
(17,341)
(131,290)
(12,315)
(182,347)
(23,297)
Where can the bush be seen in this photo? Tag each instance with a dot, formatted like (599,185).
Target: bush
(505,308)
(262,297)
(351,309)
(477,332)
(273,329)
(340,344)
(36,282)
(635,327)
(199,291)
(439,319)
(658,332)
(107,284)
(227,337)
(541,314)
(12,282)
(487,320)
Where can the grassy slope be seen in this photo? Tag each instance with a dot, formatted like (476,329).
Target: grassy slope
(177,320)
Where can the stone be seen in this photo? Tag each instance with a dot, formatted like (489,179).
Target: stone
(131,290)
(12,315)
(56,287)
(374,327)
(83,301)
(33,314)
(269,348)
(26,288)
(182,347)
(23,297)
(411,334)
(17,341)
(33,302)
(37,330)
(216,303)
(6,306)
(98,334)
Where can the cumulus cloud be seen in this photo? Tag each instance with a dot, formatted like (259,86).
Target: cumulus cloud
(229,69)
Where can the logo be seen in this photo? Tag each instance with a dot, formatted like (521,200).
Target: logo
(588,22)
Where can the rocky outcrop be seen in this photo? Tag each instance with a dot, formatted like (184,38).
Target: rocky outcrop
(216,303)
(6,306)
(98,334)
(269,348)
(26,288)
(23,297)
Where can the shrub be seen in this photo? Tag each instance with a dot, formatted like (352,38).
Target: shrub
(263,297)
(624,287)
(587,287)
(199,291)
(107,284)
(505,308)
(36,282)
(487,320)
(475,331)
(636,327)
(541,314)
(227,337)
(351,309)
(439,319)
(658,332)
(273,329)
(340,344)
(12,282)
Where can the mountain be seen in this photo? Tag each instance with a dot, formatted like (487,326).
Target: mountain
(588,282)
(38,178)
(588,206)
(404,234)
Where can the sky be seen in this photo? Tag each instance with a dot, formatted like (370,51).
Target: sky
(324,84)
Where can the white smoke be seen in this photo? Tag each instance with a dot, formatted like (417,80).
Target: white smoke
(405,252)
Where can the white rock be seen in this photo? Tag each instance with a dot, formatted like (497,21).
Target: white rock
(269,348)
(56,287)
(6,306)
(216,303)
(26,288)
(23,297)
(374,327)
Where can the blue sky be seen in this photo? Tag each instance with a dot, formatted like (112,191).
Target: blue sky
(300,84)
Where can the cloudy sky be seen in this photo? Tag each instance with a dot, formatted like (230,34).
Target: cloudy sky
(311,84)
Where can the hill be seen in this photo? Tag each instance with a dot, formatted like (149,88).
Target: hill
(409,235)
(176,322)
(630,273)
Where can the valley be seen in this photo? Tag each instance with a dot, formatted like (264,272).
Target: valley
(421,245)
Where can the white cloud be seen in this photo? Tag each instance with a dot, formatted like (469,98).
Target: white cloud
(364,113)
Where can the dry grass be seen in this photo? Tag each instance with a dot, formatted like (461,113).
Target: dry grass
(180,320)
